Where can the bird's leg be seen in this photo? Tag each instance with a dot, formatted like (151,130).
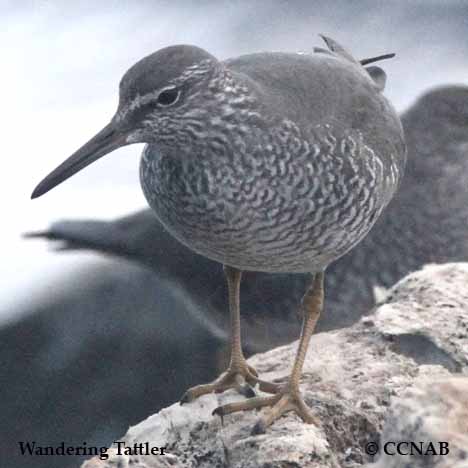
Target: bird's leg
(288,397)
(239,374)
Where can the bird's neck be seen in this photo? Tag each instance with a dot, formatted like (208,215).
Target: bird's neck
(222,125)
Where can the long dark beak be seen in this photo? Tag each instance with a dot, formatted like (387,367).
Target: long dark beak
(107,140)
(376,59)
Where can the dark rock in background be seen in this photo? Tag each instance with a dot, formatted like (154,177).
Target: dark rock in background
(97,356)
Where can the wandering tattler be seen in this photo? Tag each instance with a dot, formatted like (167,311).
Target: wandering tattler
(273,162)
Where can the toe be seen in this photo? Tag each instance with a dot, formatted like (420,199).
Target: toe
(187,397)
(252,370)
(289,401)
(184,399)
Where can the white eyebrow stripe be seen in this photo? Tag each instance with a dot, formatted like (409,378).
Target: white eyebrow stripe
(196,69)
(139,100)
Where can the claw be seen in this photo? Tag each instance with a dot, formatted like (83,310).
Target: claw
(247,391)
(185,399)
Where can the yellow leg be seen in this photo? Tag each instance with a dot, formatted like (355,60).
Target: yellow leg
(288,397)
(239,374)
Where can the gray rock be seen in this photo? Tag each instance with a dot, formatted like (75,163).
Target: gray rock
(435,416)
(363,384)
(425,316)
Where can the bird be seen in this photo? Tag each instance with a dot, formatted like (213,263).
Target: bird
(273,161)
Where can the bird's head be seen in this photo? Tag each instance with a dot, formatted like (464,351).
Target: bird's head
(155,95)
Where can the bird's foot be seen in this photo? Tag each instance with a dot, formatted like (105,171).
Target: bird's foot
(286,399)
(241,377)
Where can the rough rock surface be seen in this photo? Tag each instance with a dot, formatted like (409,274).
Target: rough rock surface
(400,374)
(437,414)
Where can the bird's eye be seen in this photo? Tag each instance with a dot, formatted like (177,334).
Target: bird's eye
(168,97)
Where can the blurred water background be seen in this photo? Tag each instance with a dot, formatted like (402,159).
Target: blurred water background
(62,61)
